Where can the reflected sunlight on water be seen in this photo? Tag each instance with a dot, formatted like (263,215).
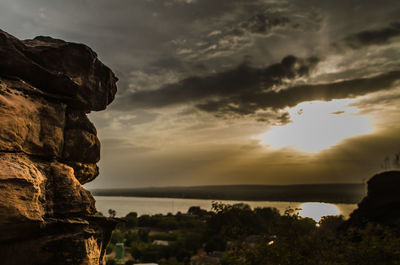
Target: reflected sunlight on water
(316,210)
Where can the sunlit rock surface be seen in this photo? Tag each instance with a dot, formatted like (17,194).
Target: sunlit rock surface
(68,71)
(48,149)
(382,203)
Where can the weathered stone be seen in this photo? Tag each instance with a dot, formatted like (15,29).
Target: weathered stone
(89,146)
(79,120)
(48,149)
(29,124)
(74,241)
(84,172)
(22,189)
(66,196)
(80,141)
(76,76)
(32,190)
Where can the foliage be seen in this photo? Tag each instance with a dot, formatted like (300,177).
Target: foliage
(117,237)
(111,261)
(373,245)
(169,222)
(254,237)
(144,234)
(130,221)
(215,243)
(197,211)
(131,236)
(173,261)
(164,236)
(112,213)
(239,220)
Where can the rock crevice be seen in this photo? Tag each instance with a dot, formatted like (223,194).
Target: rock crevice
(48,150)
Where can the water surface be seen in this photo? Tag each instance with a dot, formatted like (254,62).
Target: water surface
(145,205)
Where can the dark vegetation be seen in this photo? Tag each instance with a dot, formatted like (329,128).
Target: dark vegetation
(333,193)
(239,235)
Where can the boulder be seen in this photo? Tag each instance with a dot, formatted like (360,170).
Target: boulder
(382,203)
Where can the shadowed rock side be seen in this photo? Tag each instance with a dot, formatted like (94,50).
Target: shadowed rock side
(382,203)
(48,149)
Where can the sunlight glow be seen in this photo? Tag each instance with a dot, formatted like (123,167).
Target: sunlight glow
(316,210)
(317,125)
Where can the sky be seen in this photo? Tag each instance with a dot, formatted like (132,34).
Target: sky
(222,92)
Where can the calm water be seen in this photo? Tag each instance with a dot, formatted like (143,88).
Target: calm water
(141,205)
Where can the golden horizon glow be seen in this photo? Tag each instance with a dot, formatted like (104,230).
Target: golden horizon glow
(317,125)
(316,210)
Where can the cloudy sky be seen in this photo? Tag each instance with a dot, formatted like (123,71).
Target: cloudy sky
(236,91)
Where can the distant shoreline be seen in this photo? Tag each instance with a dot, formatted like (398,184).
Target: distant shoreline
(329,193)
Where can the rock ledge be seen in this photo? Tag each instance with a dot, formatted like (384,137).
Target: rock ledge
(48,150)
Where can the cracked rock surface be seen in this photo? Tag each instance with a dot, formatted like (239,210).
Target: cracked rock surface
(48,150)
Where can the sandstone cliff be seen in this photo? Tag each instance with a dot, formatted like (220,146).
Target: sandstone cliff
(48,149)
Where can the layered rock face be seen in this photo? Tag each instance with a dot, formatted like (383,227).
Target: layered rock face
(382,203)
(48,150)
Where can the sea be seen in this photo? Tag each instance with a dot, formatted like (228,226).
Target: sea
(152,206)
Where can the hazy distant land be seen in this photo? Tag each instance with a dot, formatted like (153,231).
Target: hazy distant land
(332,193)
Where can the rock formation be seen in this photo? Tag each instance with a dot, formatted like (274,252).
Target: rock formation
(382,203)
(48,149)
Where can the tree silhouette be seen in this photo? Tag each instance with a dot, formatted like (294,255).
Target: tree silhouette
(112,213)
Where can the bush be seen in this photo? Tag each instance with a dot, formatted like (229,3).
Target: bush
(164,236)
(147,252)
(131,220)
(117,236)
(373,245)
(111,261)
(144,234)
(130,237)
(215,243)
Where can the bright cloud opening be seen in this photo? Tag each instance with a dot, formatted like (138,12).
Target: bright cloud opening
(317,125)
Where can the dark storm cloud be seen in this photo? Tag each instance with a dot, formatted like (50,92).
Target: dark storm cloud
(379,101)
(168,63)
(229,39)
(245,90)
(241,82)
(278,16)
(262,23)
(373,37)
(273,118)
(250,103)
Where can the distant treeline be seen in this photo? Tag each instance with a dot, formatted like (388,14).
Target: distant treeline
(331,193)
